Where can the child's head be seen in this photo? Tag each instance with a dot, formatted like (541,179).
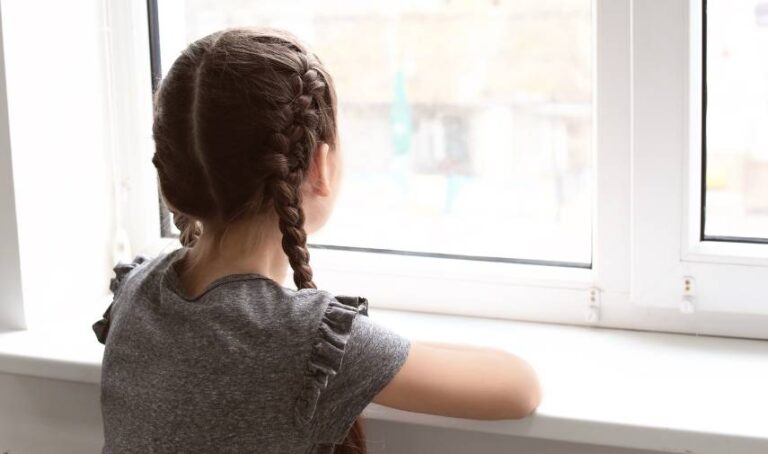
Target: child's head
(245,133)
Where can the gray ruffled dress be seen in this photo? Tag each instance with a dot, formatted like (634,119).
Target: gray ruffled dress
(248,366)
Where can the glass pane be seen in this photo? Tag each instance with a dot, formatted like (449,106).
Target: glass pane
(466,126)
(737,119)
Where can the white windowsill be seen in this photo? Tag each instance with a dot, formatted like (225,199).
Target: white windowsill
(666,392)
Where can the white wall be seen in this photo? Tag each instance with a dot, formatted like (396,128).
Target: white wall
(59,131)
(386,437)
(43,416)
(11,311)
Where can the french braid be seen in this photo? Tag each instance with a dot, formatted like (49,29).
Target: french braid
(296,142)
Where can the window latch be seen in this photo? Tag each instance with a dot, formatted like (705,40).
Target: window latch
(687,305)
(592,311)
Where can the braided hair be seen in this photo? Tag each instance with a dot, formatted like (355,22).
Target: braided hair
(295,139)
(236,121)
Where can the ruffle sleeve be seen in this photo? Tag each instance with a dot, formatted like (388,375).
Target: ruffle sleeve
(122,270)
(327,352)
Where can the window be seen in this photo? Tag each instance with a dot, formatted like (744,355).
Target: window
(597,185)
(674,261)
(468,120)
(736,115)
(623,196)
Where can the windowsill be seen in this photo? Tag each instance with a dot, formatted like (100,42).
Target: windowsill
(666,392)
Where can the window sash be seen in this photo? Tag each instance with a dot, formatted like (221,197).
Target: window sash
(729,278)
(159,64)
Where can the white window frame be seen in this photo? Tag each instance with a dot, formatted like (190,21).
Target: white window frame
(728,278)
(634,282)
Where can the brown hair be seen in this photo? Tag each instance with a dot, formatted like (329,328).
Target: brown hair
(236,121)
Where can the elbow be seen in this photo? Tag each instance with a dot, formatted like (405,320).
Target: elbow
(527,393)
(531,401)
(524,405)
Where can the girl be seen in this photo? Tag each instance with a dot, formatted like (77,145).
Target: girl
(205,351)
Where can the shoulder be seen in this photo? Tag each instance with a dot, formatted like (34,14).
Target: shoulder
(141,272)
(123,270)
(352,359)
(126,274)
(331,331)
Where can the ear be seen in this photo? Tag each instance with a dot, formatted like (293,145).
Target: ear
(319,173)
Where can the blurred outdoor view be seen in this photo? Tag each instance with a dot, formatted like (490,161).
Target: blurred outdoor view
(737,119)
(466,126)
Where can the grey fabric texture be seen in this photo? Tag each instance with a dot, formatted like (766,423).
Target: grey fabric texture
(248,366)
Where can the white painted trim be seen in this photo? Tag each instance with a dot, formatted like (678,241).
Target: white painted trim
(611,251)
(11,307)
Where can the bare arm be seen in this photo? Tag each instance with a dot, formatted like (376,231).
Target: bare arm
(463,382)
